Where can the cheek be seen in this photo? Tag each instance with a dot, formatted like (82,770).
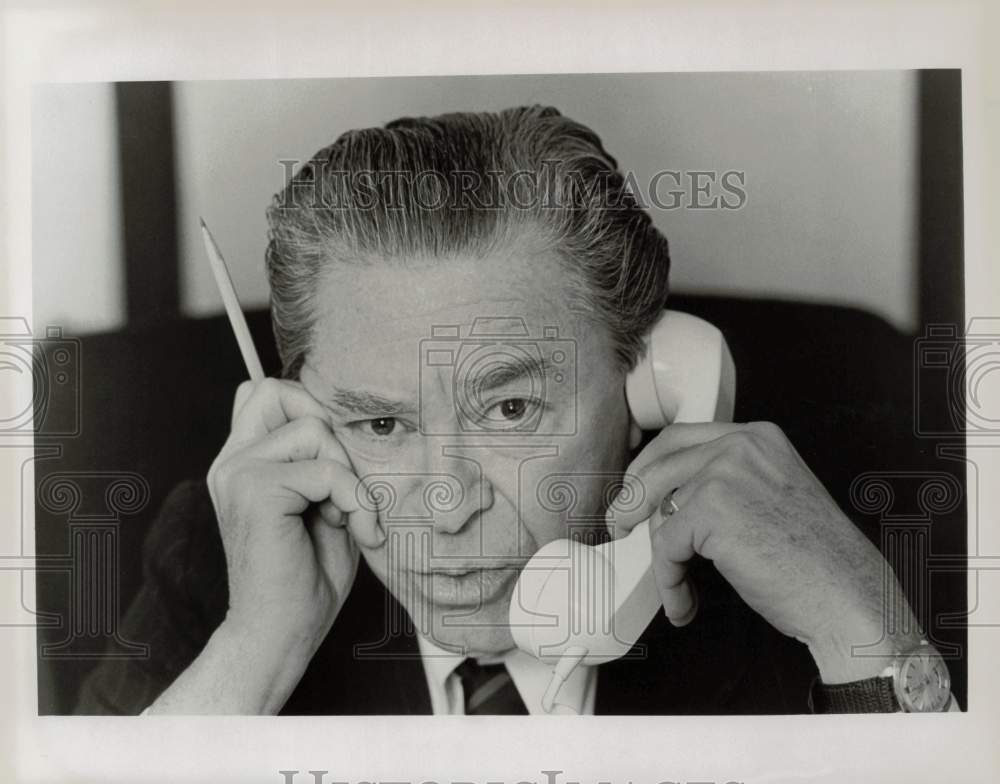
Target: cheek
(566,496)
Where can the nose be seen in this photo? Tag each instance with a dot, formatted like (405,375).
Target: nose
(448,488)
(469,492)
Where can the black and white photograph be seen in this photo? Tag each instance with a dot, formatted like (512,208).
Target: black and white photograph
(651,395)
(470,369)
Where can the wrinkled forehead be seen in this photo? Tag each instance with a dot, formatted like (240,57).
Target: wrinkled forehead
(374,323)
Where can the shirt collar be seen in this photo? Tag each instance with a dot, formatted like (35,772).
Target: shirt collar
(438,663)
(530,676)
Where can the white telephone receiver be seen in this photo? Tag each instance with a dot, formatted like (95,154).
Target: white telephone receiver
(576,604)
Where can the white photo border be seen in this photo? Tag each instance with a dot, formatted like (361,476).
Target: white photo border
(111,42)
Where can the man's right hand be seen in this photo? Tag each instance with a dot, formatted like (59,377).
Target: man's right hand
(286,572)
(289,510)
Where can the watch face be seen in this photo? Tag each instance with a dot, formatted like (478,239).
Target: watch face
(923,684)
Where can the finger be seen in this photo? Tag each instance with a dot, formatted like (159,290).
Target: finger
(243,392)
(270,404)
(362,523)
(647,486)
(331,514)
(636,501)
(348,502)
(680,604)
(672,547)
(337,553)
(317,481)
(305,438)
(681,435)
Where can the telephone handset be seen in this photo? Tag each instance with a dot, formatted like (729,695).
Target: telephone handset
(577,604)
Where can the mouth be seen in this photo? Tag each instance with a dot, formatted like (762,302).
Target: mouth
(466,586)
(450,572)
(458,570)
(455,567)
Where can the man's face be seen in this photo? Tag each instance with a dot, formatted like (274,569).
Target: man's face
(487,419)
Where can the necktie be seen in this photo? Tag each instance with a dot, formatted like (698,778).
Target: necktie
(489,690)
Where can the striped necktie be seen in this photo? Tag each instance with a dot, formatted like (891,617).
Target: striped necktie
(489,690)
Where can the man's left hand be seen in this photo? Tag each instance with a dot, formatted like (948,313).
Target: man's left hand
(746,500)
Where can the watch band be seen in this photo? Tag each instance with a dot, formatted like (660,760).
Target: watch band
(871,695)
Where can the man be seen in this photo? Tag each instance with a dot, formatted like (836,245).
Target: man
(321,570)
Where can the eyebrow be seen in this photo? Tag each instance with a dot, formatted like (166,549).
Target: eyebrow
(366,403)
(504,373)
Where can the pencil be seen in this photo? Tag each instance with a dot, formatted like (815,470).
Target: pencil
(232,303)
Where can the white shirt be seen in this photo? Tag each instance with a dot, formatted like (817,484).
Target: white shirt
(530,676)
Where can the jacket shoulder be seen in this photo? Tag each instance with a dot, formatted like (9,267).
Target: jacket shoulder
(182,599)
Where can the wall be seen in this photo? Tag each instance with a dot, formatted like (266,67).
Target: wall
(77,268)
(828,158)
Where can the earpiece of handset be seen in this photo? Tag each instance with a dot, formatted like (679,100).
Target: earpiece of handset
(686,375)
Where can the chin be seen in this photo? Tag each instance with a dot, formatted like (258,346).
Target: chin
(468,613)
(488,631)
(468,630)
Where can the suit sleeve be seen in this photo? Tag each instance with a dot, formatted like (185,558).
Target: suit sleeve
(181,601)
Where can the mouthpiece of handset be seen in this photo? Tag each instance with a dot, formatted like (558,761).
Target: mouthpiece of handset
(599,600)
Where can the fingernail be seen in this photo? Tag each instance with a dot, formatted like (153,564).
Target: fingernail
(686,618)
(682,620)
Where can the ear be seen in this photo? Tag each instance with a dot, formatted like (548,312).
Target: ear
(634,433)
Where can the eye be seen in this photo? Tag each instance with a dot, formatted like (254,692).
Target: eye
(377,438)
(382,427)
(512,409)
(379,430)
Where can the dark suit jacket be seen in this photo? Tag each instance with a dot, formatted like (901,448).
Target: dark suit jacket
(728,660)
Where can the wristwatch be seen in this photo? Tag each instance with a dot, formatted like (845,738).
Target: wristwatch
(917,681)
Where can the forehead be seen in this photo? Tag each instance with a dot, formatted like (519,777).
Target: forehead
(370,320)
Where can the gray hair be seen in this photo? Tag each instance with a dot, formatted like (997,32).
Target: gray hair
(468,184)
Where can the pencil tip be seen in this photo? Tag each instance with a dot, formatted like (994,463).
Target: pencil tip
(202,221)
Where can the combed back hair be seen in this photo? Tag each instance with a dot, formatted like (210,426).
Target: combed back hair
(468,185)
